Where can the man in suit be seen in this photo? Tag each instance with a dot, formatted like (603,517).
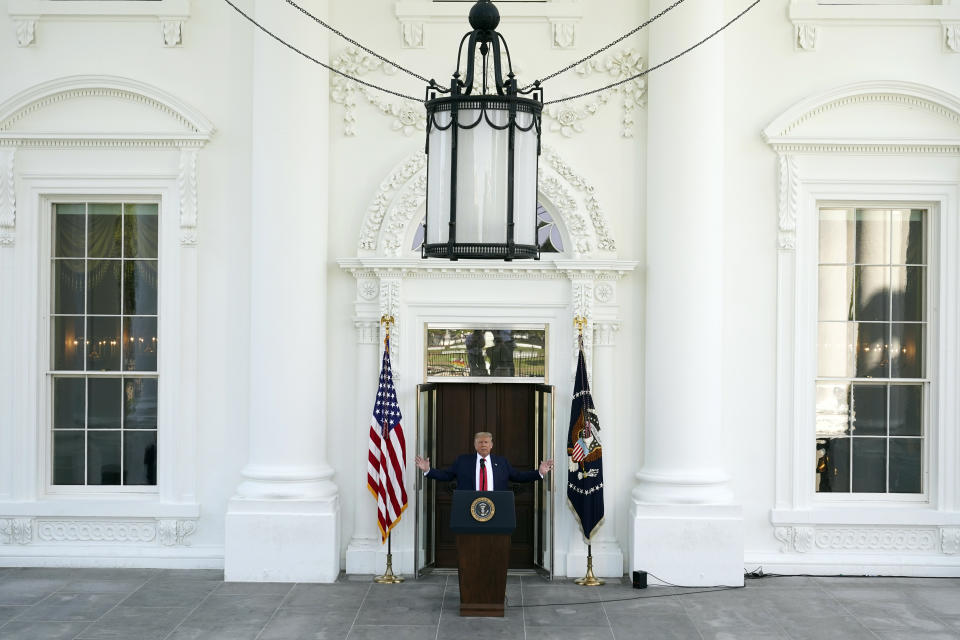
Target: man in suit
(482,471)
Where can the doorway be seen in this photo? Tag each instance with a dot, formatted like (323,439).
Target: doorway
(520,417)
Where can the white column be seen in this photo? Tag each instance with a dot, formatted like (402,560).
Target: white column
(283,522)
(365,553)
(685,528)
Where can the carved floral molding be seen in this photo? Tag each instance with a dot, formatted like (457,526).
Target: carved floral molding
(568,117)
(167,532)
(812,539)
(8,200)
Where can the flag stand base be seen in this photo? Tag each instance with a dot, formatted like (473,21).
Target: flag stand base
(388,576)
(589,580)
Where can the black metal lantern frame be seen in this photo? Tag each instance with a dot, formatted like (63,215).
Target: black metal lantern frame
(483,153)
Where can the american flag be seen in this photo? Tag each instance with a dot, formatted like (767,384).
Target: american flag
(387,456)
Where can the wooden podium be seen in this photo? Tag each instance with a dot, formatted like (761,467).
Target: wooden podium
(483,522)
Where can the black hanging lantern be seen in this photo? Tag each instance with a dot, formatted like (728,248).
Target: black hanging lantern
(482,155)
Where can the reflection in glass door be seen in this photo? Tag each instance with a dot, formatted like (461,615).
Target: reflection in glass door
(426,447)
(543,499)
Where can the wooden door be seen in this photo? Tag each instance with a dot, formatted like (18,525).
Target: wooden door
(506,411)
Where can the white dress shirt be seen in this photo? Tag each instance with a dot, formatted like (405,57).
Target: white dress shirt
(489,467)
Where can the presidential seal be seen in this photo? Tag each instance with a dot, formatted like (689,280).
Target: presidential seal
(482,509)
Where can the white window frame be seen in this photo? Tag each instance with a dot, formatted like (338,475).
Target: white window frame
(48,201)
(807,268)
(816,169)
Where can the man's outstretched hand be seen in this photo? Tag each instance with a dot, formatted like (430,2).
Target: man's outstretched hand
(422,463)
(545,466)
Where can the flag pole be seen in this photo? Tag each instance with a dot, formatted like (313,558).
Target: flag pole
(388,576)
(589,580)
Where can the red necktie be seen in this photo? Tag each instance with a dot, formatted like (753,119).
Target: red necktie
(483,474)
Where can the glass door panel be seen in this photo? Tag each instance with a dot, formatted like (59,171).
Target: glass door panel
(426,447)
(543,500)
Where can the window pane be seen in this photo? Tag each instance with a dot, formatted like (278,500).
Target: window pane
(873,293)
(140,231)
(69,223)
(908,237)
(103,287)
(103,352)
(140,287)
(906,409)
(872,236)
(68,279)
(103,457)
(69,403)
(872,354)
(905,465)
(103,231)
(836,293)
(140,344)
(140,457)
(835,349)
(869,410)
(140,403)
(906,345)
(836,236)
(833,465)
(67,457)
(869,465)
(105,396)
(68,344)
(833,409)
(908,287)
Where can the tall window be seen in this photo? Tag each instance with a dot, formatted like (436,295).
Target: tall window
(103,355)
(871,362)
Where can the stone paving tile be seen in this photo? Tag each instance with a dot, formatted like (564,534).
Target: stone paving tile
(100,585)
(401,610)
(890,616)
(308,624)
(72,606)
(329,597)
(234,610)
(28,590)
(828,625)
(8,612)
(43,630)
(939,600)
(253,588)
(506,628)
(399,632)
(566,615)
(190,631)
(167,592)
(146,623)
(562,633)
(918,635)
(662,626)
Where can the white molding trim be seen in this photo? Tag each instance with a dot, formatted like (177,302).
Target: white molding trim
(778,133)
(808,16)
(8,197)
(197,129)
(394,212)
(562,16)
(170,14)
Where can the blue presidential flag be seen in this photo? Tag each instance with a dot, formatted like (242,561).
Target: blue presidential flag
(584,454)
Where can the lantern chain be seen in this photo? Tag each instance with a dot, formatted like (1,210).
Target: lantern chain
(604,48)
(314,60)
(357,44)
(657,66)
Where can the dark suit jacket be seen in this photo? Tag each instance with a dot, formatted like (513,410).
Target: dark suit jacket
(464,471)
